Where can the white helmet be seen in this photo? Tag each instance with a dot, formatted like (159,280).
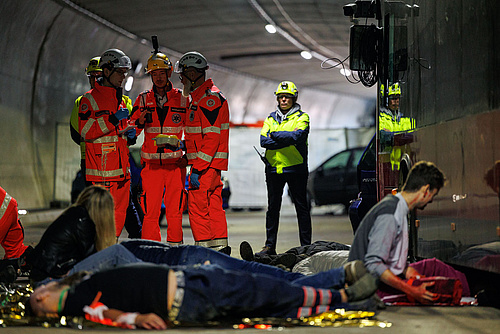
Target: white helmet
(191,59)
(114,58)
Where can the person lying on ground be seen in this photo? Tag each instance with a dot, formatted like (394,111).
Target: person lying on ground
(135,251)
(292,256)
(84,228)
(150,295)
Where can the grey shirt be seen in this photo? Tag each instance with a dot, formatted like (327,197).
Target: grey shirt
(381,240)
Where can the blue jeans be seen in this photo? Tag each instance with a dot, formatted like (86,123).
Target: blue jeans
(213,293)
(139,250)
(157,252)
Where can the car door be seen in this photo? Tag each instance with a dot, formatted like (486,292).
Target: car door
(351,188)
(329,179)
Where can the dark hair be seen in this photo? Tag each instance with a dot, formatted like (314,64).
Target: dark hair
(424,173)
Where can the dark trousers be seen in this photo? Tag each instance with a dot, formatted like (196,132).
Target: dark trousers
(213,293)
(156,252)
(297,183)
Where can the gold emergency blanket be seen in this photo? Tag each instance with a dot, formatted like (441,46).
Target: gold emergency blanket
(13,313)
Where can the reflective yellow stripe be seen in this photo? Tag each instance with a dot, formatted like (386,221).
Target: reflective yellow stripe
(86,128)
(221,155)
(102,125)
(92,101)
(158,156)
(104,173)
(155,129)
(204,156)
(224,126)
(193,129)
(5,204)
(202,243)
(211,129)
(108,139)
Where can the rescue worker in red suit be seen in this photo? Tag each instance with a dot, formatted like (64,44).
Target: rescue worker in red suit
(161,112)
(207,147)
(106,131)
(11,230)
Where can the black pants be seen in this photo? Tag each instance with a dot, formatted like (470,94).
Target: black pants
(297,183)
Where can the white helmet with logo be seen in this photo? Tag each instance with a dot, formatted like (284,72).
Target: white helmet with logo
(191,59)
(114,58)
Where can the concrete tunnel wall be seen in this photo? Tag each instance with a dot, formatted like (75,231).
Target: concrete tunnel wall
(44,49)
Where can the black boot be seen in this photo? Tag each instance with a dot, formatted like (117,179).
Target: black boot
(8,275)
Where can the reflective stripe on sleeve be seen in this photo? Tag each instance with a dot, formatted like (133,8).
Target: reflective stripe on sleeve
(5,205)
(102,125)
(193,129)
(158,156)
(211,129)
(86,128)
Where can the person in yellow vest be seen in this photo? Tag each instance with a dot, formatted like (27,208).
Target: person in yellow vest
(284,136)
(394,126)
(93,72)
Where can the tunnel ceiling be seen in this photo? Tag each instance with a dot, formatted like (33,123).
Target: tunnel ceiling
(231,34)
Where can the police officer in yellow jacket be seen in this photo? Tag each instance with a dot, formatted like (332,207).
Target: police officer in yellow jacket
(284,136)
(394,127)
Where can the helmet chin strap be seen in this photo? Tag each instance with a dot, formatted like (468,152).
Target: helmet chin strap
(109,76)
(192,82)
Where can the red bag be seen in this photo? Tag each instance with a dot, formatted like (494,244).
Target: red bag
(448,290)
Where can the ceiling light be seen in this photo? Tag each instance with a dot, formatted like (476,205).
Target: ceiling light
(345,72)
(306,54)
(129,83)
(138,68)
(270,28)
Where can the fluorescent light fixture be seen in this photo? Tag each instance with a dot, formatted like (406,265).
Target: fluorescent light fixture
(129,83)
(138,68)
(345,72)
(306,54)
(270,28)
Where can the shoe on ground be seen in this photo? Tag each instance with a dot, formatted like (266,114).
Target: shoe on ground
(363,288)
(354,270)
(226,250)
(287,260)
(367,304)
(246,251)
(266,250)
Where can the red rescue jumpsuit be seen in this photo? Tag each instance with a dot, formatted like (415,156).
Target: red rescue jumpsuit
(162,175)
(11,230)
(106,151)
(207,146)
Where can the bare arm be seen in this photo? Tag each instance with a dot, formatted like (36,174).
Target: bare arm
(419,293)
(148,321)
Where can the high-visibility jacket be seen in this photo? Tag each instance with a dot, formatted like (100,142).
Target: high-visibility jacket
(390,124)
(207,129)
(285,141)
(74,122)
(168,119)
(107,154)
